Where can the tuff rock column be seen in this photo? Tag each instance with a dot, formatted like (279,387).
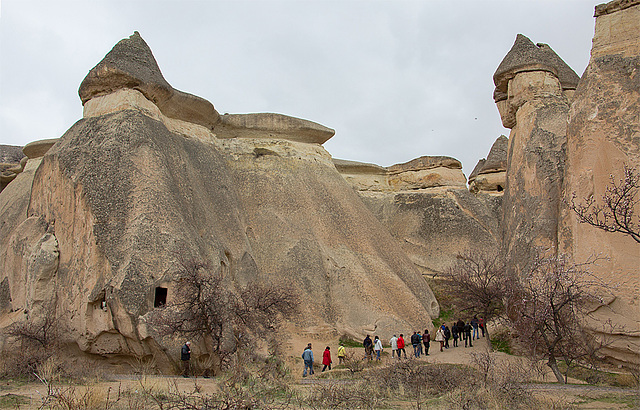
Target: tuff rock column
(532,88)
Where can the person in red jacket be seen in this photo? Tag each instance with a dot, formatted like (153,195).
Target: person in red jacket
(401,347)
(326,359)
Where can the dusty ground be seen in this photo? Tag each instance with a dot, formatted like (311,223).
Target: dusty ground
(580,395)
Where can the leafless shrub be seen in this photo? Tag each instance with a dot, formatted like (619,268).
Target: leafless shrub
(209,308)
(616,210)
(340,395)
(34,341)
(143,366)
(547,308)
(354,362)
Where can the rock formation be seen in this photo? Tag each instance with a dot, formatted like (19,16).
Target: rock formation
(530,94)
(11,164)
(90,222)
(425,204)
(91,226)
(568,140)
(604,134)
(489,175)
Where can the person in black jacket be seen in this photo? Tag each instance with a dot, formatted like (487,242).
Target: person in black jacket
(416,341)
(447,336)
(467,334)
(185,356)
(454,333)
(368,347)
(426,341)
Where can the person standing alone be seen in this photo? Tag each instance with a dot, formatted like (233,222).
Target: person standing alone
(185,357)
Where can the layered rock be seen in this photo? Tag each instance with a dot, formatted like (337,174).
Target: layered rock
(603,135)
(425,205)
(92,227)
(535,109)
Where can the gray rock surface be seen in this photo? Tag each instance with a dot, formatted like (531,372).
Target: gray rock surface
(130,64)
(526,56)
(497,158)
(272,126)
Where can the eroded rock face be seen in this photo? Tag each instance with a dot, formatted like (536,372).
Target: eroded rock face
(602,135)
(426,206)
(489,175)
(11,164)
(130,64)
(272,126)
(94,224)
(537,110)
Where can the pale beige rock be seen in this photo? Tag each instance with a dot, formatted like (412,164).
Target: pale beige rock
(491,182)
(603,134)
(427,178)
(617,29)
(128,99)
(363,176)
(37,149)
(272,126)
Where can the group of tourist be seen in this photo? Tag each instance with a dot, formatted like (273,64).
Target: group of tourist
(459,331)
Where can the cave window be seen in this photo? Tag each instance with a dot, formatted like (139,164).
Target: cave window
(161,297)
(499,188)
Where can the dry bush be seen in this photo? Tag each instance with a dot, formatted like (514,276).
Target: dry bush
(354,362)
(342,395)
(420,380)
(32,342)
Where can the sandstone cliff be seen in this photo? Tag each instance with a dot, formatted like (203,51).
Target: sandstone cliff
(603,134)
(92,225)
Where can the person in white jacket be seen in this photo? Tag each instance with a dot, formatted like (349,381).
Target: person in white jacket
(440,336)
(377,347)
(394,345)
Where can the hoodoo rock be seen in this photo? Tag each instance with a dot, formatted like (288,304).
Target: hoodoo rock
(536,110)
(490,174)
(131,65)
(92,227)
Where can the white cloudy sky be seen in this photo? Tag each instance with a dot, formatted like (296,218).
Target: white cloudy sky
(395,79)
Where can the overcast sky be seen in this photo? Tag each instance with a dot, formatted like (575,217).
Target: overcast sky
(395,79)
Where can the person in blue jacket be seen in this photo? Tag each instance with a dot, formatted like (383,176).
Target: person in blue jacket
(307,356)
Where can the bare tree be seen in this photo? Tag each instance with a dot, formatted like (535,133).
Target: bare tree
(548,307)
(476,285)
(39,338)
(616,213)
(207,307)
